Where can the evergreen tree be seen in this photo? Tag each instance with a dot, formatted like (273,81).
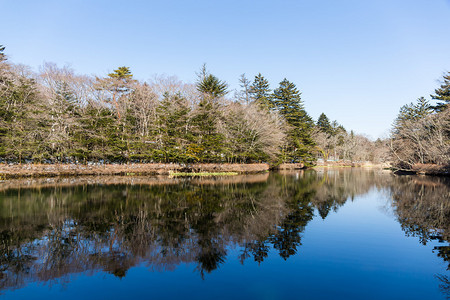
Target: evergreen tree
(260,92)
(2,55)
(121,73)
(323,123)
(173,116)
(6,92)
(210,85)
(413,112)
(97,135)
(442,94)
(207,141)
(21,135)
(287,101)
(6,86)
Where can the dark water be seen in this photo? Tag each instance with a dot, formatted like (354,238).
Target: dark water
(336,234)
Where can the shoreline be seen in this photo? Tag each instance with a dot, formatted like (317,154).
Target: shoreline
(13,171)
(53,170)
(424,169)
(155,180)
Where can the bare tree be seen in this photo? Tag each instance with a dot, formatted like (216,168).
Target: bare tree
(252,130)
(58,91)
(422,140)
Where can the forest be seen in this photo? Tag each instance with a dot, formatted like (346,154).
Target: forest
(57,116)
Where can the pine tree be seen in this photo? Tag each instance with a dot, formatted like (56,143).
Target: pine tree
(413,112)
(442,94)
(117,84)
(121,73)
(260,92)
(210,85)
(288,103)
(323,123)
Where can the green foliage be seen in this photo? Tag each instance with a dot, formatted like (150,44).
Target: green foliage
(207,141)
(413,112)
(121,73)
(63,117)
(242,144)
(20,127)
(261,92)
(442,93)
(323,123)
(2,55)
(173,113)
(97,136)
(210,85)
(287,101)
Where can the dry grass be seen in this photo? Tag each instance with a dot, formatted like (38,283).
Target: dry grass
(49,170)
(202,174)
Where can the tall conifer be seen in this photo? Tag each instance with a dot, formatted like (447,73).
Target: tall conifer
(173,122)
(287,101)
(260,91)
(442,94)
(323,123)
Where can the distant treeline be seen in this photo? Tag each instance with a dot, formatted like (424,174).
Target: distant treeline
(56,115)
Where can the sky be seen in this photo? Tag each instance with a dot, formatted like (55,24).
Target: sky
(357,61)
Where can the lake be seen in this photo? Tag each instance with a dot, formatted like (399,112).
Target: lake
(315,234)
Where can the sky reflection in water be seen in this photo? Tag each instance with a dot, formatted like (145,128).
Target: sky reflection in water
(333,234)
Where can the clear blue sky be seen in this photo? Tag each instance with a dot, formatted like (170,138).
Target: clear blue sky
(358,61)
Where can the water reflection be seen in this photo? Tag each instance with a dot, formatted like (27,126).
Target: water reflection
(52,228)
(423,209)
(422,205)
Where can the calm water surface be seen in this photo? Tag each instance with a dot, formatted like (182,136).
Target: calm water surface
(324,234)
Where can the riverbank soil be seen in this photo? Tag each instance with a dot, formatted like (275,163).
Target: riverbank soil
(430,169)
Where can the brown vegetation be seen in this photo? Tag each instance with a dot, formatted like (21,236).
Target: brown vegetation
(157,180)
(431,169)
(290,166)
(37,170)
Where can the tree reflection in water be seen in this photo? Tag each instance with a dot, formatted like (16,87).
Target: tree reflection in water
(422,205)
(52,230)
(444,285)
